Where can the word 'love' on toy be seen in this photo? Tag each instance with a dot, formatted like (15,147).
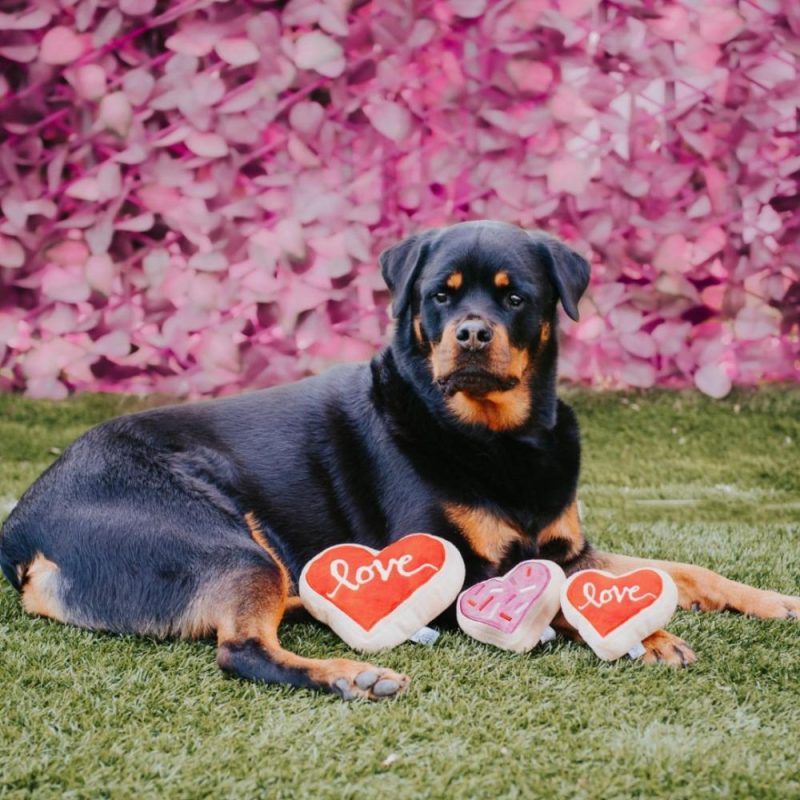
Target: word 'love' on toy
(614,613)
(514,611)
(376,599)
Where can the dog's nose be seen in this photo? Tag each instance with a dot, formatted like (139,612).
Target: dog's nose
(473,334)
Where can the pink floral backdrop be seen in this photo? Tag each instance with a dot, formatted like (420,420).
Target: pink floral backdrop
(194,193)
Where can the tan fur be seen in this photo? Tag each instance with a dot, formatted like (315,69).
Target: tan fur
(544,333)
(566,527)
(501,280)
(417,323)
(498,411)
(445,352)
(250,607)
(261,540)
(488,535)
(41,593)
(454,281)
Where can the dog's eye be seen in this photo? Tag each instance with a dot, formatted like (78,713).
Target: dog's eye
(515,301)
(440,297)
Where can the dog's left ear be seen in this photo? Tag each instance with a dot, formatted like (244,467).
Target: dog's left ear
(568,271)
(401,265)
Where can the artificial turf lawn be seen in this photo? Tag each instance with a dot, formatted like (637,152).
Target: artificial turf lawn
(675,476)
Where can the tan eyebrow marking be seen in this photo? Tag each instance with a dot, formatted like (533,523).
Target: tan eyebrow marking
(501,280)
(455,280)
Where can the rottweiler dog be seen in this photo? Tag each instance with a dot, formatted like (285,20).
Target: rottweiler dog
(196,520)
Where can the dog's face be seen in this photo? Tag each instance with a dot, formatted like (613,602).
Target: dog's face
(480,300)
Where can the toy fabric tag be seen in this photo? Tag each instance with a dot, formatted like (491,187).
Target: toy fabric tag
(513,612)
(377,599)
(614,613)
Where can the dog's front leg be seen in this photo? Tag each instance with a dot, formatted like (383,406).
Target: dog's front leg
(563,541)
(700,589)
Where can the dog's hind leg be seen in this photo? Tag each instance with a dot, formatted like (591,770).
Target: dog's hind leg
(245,607)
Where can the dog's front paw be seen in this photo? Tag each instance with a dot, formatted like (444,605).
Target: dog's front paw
(663,647)
(352,680)
(772,605)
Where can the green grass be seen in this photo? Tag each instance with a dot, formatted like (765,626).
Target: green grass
(670,475)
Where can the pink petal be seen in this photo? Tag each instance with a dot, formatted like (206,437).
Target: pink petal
(65,284)
(11,253)
(672,24)
(208,145)
(306,117)
(68,252)
(720,25)
(21,53)
(672,254)
(530,76)
(469,9)
(194,39)
(713,380)
(319,52)
(100,273)
(211,262)
(139,223)
(568,174)
(89,81)
(237,51)
(116,113)
(568,106)
(61,45)
(84,189)
(136,8)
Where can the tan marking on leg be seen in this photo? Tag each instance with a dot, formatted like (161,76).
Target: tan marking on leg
(501,280)
(251,610)
(701,589)
(261,540)
(454,281)
(41,591)
(663,647)
(566,528)
(488,535)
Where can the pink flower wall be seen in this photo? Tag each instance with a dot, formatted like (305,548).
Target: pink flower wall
(194,193)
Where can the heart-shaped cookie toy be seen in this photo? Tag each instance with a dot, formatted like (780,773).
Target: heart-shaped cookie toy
(512,611)
(614,613)
(376,599)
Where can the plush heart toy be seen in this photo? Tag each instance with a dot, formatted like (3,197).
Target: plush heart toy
(514,611)
(376,599)
(614,613)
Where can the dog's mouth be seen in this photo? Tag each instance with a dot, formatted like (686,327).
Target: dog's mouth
(475,382)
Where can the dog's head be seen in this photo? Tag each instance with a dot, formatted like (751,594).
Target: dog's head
(477,300)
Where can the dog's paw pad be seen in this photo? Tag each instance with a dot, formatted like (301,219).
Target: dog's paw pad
(355,680)
(386,687)
(367,679)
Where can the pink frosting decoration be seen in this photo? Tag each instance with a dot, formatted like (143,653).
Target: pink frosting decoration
(210,184)
(504,602)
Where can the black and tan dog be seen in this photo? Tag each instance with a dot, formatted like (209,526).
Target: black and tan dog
(196,520)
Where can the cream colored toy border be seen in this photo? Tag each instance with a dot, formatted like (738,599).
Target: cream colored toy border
(416,611)
(531,627)
(633,631)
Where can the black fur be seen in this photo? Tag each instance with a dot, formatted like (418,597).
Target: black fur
(142,511)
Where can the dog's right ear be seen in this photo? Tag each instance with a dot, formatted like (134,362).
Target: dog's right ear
(401,265)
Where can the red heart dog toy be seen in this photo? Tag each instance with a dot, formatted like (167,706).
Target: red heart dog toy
(614,613)
(512,612)
(377,599)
